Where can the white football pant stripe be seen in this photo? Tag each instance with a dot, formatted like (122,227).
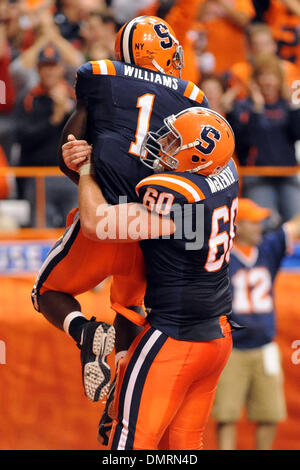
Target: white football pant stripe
(131,385)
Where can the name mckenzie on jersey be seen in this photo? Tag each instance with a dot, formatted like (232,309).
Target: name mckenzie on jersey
(221,181)
(149,76)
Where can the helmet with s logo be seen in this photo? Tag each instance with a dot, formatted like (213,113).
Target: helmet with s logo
(148,41)
(197,140)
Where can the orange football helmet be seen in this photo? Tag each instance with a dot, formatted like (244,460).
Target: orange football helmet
(197,140)
(148,41)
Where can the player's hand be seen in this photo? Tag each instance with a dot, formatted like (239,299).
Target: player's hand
(76,152)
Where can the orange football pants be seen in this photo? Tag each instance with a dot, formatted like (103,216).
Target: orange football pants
(165,390)
(77,264)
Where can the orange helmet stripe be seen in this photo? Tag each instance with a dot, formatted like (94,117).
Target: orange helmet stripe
(177,183)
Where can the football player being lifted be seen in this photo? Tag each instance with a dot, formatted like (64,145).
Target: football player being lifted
(118,102)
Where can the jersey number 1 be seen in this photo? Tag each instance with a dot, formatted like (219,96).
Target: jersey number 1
(145,105)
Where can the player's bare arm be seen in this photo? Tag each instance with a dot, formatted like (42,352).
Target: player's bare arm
(76,126)
(99,219)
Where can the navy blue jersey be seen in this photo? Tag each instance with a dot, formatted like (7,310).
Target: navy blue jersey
(252,279)
(188,286)
(124,102)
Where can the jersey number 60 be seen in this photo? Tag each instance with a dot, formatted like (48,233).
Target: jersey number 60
(219,239)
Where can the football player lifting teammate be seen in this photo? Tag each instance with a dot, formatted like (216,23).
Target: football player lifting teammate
(167,381)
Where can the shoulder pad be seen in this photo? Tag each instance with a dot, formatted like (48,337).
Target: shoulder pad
(97,67)
(194,93)
(183,187)
(103,67)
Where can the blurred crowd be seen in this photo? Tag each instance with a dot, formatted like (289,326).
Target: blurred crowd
(244,54)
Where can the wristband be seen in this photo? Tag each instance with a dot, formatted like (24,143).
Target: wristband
(86,169)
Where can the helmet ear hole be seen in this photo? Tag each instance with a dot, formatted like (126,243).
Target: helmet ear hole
(168,62)
(195,158)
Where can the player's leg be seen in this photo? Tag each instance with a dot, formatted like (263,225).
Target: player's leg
(54,305)
(124,290)
(126,332)
(95,339)
(155,378)
(131,393)
(188,425)
(187,428)
(57,300)
(76,265)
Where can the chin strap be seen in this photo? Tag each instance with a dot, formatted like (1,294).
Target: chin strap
(200,167)
(159,68)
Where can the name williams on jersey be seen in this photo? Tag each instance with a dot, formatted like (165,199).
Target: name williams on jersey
(149,76)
